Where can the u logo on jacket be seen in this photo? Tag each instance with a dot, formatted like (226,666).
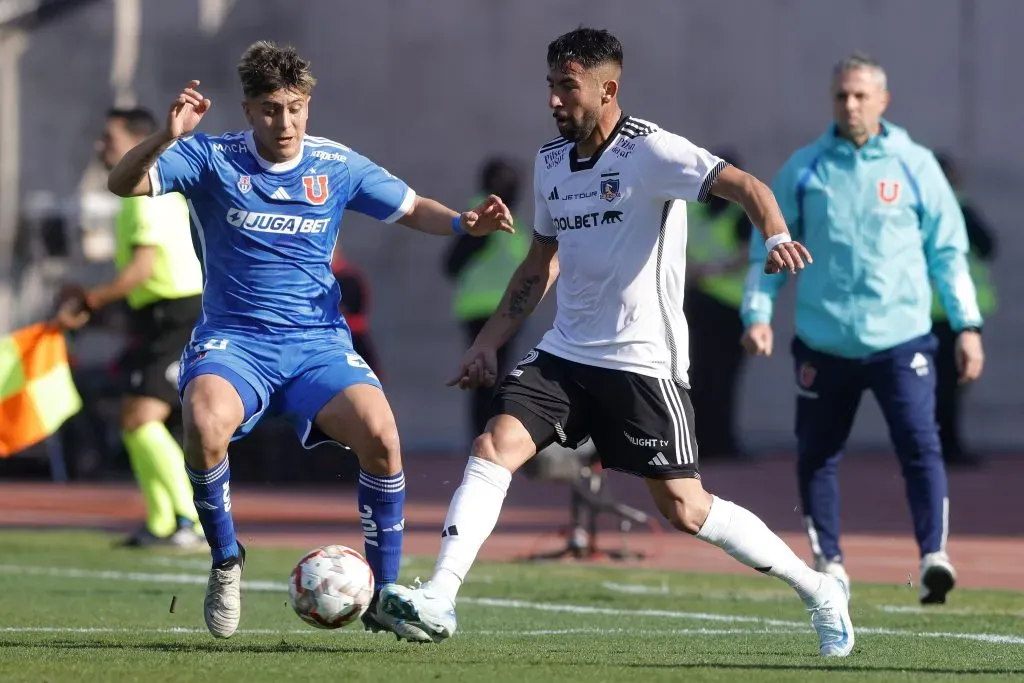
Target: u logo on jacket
(888,191)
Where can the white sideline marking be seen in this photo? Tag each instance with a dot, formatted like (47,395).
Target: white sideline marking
(276,586)
(944,611)
(356,632)
(635,588)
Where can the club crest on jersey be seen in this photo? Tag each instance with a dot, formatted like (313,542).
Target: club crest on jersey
(244,183)
(806,375)
(609,189)
(888,191)
(316,188)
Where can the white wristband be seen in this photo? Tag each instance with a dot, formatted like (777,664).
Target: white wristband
(776,240)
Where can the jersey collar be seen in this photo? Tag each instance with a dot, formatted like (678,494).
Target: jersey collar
(575,164)
(282,167)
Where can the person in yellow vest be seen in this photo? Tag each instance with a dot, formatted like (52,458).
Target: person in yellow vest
(948,391)
(717,242)
(481,268)
(160,279)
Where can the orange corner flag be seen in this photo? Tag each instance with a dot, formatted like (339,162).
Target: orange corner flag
(37,394)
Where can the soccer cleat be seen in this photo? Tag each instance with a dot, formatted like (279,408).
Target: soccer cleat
(835,569)
(183,538)
(375,620)
(430,612)
(937,578)
(222,607)
(830,617)
(143,538)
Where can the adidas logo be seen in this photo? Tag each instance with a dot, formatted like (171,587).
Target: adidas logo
(554,195)
(919,364)
(279,193)
(657,460)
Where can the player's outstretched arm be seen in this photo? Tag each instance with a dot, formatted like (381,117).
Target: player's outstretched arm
(525,290)
(757,200)
(130,177)
(434,218)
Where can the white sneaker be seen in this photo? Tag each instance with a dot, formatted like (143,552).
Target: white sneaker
(830,617)
(186,539)
(222,607)
(428,611)
(375,619)
(937,578)
(833,568)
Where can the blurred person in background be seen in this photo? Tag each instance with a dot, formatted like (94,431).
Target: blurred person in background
(160,279)
(717,243)
(949,391)
(876,210)
(355,306)
(481,268)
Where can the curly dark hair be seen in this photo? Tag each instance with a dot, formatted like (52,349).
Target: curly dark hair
(266,68)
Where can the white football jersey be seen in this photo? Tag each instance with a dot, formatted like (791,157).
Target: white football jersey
(620,221)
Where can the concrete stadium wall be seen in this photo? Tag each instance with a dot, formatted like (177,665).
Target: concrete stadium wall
(429,89)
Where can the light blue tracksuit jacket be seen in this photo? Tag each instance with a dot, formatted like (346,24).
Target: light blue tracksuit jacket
(881,223)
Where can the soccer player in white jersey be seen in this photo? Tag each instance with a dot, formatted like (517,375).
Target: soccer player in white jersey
(266,207)
(610,225)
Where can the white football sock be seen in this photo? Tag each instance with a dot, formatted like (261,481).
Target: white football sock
(743,536)
(471,518)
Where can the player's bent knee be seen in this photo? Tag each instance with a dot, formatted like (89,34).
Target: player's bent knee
(506,442)
(139,410)
(380,452)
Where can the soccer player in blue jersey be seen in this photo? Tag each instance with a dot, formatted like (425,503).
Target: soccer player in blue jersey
(265,208)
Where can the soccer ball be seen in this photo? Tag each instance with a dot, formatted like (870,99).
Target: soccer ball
(331,586)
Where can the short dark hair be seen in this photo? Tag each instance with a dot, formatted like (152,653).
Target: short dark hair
(496,168)
(588,47)
(138,121)
(266,68)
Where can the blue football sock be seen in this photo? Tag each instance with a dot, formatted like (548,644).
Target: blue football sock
(211,492)
(381,501)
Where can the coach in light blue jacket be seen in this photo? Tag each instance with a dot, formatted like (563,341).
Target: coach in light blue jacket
(880,220)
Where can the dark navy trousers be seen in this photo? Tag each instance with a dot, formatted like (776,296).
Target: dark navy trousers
(829,389)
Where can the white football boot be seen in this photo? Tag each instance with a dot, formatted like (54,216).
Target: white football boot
(375,619)
(223,604)
(428,611)
(830,617)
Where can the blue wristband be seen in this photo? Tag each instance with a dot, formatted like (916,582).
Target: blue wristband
(456,225)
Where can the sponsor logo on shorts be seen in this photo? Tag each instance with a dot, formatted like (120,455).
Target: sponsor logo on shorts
(645,442)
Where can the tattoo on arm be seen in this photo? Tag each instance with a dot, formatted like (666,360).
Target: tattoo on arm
(522,300)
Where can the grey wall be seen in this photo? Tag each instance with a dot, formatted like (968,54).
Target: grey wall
(427,89)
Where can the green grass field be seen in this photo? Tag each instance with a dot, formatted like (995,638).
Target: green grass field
(73,609)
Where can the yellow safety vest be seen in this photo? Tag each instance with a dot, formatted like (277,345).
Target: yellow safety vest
(712,239)
(982,283)
(482,283)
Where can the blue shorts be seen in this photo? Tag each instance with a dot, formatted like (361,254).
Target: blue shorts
(293,375)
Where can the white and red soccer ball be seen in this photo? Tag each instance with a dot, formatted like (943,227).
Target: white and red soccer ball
(331,586)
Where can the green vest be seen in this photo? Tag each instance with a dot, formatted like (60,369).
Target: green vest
(712,239)
(982,283)
(482,282)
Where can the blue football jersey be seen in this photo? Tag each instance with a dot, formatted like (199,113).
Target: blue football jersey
(265,232)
